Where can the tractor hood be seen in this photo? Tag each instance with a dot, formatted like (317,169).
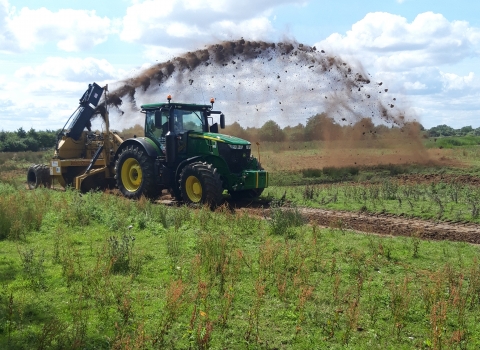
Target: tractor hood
(220,138)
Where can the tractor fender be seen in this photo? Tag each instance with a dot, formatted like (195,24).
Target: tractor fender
(148,145)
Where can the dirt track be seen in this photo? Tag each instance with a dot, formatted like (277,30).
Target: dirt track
(393,225)
(386,224)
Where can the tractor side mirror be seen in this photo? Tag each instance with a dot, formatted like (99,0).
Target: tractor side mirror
(222,121)
(158,119)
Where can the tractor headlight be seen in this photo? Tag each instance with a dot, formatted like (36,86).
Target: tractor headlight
(236,146)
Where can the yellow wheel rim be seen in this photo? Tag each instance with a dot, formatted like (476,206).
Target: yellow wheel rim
(194,189)
(131,175)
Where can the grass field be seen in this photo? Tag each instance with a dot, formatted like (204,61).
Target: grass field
(98,271)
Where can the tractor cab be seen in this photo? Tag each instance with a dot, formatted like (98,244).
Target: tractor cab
(176,121)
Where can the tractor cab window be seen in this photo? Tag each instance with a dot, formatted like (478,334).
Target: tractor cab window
(185,120)
(157,131)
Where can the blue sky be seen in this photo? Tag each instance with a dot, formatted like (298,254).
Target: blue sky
(426,50)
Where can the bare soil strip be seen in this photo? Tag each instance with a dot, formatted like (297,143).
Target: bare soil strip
(383,224)
(386,224)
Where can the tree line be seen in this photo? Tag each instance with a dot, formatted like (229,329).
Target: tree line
(31,140)
(317,127)
(445,130)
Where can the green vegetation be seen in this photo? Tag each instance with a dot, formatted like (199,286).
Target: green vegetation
(21,140)
(85,271)
(452,201)
(454,141)
(445,130)
(99,271)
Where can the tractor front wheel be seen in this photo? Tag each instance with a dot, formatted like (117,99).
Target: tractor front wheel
(200,183)
(134,173)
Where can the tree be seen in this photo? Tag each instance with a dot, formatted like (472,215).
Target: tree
(21,133)
(32,133)
(315,125)
(295,133)
(236,129)
(441,130)
(46,139)
(465,130)
(13,144)
(271,131)
(31,144)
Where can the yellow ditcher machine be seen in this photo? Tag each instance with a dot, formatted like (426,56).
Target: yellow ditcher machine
(83,159)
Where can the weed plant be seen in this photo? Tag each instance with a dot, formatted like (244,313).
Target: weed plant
(193,278)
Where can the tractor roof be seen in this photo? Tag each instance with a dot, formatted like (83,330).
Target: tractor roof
(176,105)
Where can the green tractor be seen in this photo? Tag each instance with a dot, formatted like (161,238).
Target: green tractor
(183,152)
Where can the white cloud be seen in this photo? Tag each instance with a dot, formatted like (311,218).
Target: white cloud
(50,91)
(414,86)
(70,69)
(161,53)
(185,23)
(424,59)
(71,30)
(390,42)
(8,42)
(455,82)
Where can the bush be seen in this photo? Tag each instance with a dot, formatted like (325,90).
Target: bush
(340,173)
(20,213)
(311,172)
(120,254)
(283,220)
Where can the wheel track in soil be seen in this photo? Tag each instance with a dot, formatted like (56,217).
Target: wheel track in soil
(385,224)
(393,225)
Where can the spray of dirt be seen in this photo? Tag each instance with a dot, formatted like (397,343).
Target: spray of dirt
(286,82)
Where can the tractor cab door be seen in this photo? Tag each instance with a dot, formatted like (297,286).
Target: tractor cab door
(156,126)
(185,121)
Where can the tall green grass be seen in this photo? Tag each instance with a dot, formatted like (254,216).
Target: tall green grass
(453,141)
(101,272)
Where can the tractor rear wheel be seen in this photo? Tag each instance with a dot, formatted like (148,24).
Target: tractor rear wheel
(134,173)
(38,174)
(200,183)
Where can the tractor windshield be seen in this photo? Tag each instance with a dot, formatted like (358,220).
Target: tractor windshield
(186,120)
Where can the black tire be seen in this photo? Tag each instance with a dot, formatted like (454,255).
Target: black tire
(200,183)
(47,178)
(37,175)
(135,174)
(175,193)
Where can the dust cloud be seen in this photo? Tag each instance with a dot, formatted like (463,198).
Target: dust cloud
(287,82)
